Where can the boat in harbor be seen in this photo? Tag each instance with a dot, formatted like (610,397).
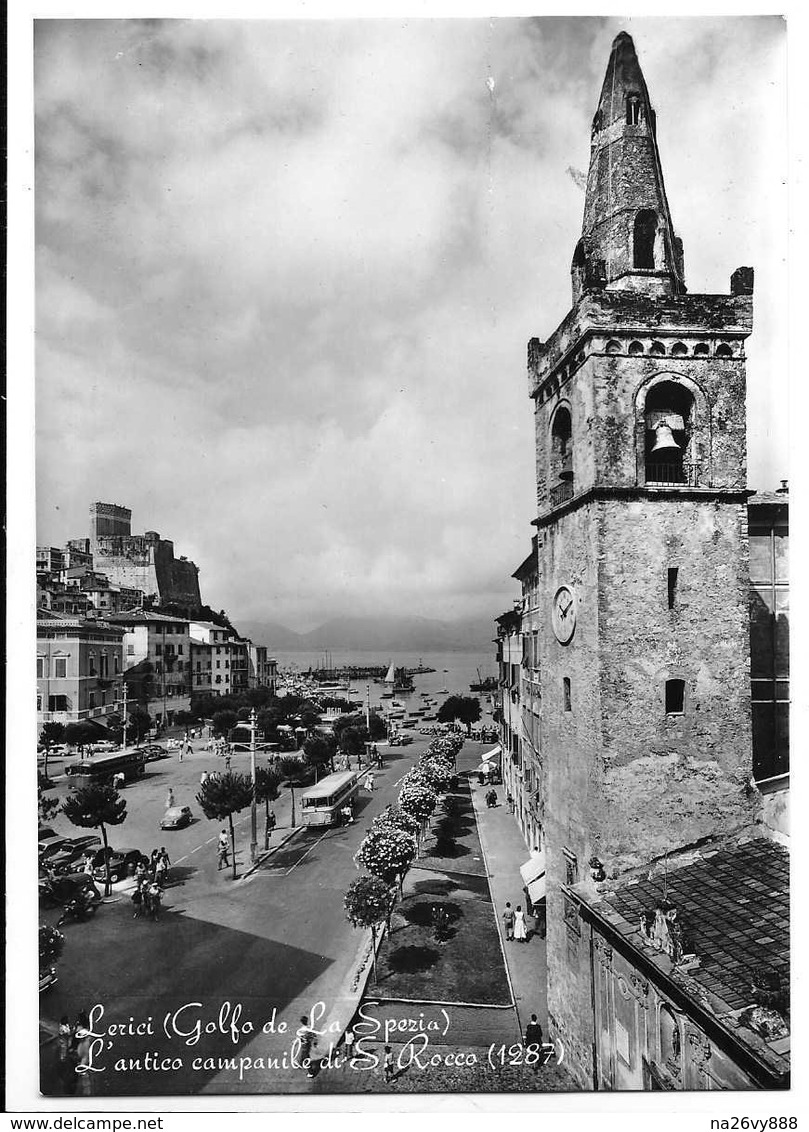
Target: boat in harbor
(487,684)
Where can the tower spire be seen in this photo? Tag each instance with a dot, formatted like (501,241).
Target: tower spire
(627,240)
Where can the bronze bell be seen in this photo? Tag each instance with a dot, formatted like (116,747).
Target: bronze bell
(664,438)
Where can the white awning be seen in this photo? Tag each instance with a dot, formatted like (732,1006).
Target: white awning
(493,756)
(533,875)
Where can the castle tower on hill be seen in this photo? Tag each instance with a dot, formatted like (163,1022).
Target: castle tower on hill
(642,550)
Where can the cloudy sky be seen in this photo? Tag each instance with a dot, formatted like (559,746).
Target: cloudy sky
(286,272)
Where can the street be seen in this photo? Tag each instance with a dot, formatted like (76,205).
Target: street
(274,941)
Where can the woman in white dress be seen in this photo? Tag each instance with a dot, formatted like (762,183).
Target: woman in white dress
(520,934)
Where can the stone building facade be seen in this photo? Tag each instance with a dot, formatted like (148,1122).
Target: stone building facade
(642,660)
(79,669)
(157,655)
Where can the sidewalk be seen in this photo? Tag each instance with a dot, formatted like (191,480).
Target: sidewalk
(505,850)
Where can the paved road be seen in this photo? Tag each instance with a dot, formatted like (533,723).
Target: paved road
(274,941)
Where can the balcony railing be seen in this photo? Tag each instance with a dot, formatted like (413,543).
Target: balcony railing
(561,493)
(686,474)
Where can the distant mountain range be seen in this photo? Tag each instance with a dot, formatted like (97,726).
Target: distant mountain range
(388,634)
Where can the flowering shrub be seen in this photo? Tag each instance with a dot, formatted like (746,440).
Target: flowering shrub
(393,817)
(387,852)
(366,902)
(51,943)
(436,772)
(417,798)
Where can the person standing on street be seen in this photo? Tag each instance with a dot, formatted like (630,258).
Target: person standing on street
(388,1065)
(533,1032)
(520,932)
(170,799)
(203,778)
(508,921)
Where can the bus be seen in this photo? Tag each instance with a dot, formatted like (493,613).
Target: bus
(104,768)
(321,803)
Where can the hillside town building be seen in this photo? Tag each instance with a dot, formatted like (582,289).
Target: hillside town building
(631,742)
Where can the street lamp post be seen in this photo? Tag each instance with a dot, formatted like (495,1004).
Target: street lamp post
(253,828)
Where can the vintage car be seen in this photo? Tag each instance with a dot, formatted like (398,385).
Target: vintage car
(176,817)
(120,861)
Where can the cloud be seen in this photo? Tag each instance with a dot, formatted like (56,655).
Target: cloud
(286,273)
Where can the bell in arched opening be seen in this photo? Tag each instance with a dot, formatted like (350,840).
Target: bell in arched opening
(663,424)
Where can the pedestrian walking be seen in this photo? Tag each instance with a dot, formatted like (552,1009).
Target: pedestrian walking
(508,920)
(169,799)
(222,851)
(271,820)
(388,1065)
(510,802)
(182,751)
(203,778)
(160,872)
(533,1032)
(227,762)
(520,933)
(140,873)
(118,780)
(155,896)
(137,902)
(369,782)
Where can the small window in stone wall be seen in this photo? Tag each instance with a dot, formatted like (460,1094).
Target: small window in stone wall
(613,347)
(701,350)
(679,350)
(724,351)
(566,693)
(632,109)
(571,868)
(675,697)
(672,585)
(635,348)
(657,350)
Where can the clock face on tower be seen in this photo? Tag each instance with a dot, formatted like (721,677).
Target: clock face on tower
(564,615)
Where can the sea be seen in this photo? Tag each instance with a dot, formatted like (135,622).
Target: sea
(454,671)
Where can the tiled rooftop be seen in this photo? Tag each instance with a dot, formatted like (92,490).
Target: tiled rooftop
(732,902)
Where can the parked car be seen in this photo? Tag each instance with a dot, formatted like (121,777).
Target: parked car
(49,845)
(71,854)
(120,860)
(47,979)
(45,831)
(153,751)
(176,818)
(61,890)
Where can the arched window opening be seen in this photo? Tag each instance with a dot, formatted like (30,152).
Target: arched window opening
(679,350)
(635,348)
(613,347)
(644,243)
(561,457)
(657,350)
(724,351)
(675,697)
(701,350)
(669,421)
(633,109)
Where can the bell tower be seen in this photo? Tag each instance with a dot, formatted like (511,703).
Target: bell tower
(639,399)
